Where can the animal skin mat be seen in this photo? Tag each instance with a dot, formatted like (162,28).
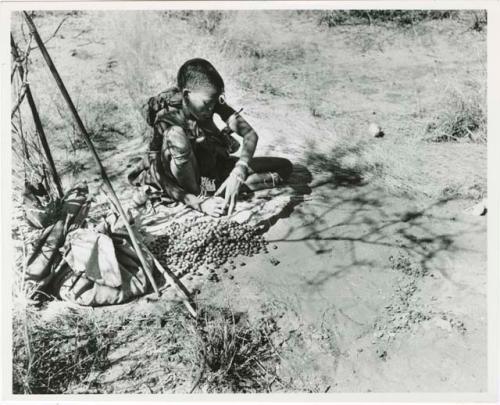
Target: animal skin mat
(261,208)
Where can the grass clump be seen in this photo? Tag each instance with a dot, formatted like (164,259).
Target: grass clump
(463,117)
(479,21)
(236,355)
(60,349)
(50,356)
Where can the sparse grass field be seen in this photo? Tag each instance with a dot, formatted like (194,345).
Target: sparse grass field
(337,314)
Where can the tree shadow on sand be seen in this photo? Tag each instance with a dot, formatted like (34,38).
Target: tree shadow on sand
(329,170)
(344,210)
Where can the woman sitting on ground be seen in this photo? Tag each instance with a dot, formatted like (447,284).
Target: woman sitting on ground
(187,145)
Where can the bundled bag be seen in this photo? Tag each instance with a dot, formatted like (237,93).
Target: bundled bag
(91,267)
(101,269)
(46,255)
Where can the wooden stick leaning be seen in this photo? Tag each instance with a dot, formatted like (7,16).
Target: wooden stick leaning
(179,288)
(169,276)
(90,145)
(36,119)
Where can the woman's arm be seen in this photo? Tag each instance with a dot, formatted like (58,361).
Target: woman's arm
(179,194)
(250,138)
(176,152)
(241,169)
(239,125)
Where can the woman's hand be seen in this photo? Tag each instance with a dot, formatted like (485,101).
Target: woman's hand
(232,186)
(213,206)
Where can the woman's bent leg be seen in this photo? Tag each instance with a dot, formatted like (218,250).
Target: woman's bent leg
(183,164)
(268,172)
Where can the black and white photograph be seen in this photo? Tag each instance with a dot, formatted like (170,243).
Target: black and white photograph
(248,200)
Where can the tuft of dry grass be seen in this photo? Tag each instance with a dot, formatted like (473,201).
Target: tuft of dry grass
(235,355)
(463,117)
(51,355)
(65,349)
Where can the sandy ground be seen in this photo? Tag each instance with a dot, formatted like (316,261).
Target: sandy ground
(377,291)
(374,293)
(335,280)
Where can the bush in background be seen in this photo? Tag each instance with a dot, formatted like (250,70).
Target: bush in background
(333,18)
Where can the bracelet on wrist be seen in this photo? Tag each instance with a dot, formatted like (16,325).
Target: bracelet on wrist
(238,177)
(242,163)
(243,166)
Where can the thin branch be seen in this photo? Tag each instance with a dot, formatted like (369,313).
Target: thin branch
(23,140)
(54,33)
(14,70)
(28,49)
(20,60)
(19,100)
(23,32)
(36,117)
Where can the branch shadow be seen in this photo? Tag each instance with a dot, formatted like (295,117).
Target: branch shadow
(367,222)
(345,209)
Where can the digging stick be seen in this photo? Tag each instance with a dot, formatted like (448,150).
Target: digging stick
(36,119)
(90,145)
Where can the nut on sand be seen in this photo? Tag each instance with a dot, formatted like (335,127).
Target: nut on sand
(375,130)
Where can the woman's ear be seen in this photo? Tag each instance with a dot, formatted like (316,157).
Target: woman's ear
(185,93)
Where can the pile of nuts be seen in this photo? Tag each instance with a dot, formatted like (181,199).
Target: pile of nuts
(187,247)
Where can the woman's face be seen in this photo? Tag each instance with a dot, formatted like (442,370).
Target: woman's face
(201,103)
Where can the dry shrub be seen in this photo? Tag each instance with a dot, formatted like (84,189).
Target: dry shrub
(479,20)
(333,18)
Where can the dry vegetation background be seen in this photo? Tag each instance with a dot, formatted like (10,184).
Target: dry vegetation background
(310,83)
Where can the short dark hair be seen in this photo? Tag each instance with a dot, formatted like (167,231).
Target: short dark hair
(199,73)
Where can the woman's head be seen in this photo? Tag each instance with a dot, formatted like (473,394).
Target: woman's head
(201,85)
